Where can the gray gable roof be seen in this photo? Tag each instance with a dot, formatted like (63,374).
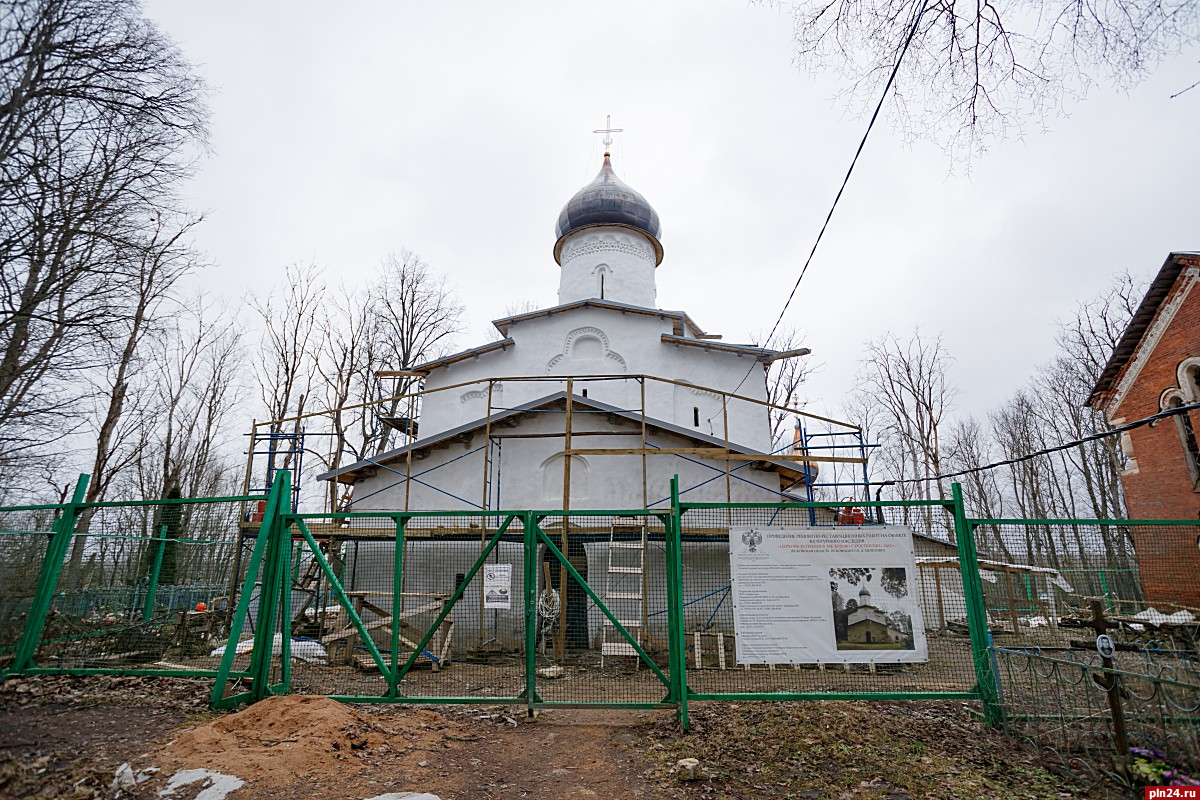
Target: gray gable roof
(348,473)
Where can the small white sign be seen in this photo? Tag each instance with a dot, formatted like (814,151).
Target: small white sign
(1105,646)
(497,586)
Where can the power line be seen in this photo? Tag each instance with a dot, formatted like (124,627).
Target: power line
(1170,412)
(821,234)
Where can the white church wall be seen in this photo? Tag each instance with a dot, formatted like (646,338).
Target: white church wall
(605,342)
(607,263)
(527,473)
(579,342)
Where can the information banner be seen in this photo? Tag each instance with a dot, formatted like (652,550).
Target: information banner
(497,586)
(825,595)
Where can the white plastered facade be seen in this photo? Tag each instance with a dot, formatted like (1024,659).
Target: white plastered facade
(615,338)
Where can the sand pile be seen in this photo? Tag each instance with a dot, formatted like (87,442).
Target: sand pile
(280,739)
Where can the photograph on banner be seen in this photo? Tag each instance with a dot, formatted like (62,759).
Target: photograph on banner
(863,620)
(828,595)
(497,586)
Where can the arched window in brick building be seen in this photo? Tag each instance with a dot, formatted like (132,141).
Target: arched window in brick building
(1187,434)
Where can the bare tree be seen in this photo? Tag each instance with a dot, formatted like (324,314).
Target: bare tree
(287,362)
(1081,481)
(347,329)
(164,426)
(908,381)
(159,264)
(784,379)
(969,449)
(322,348)
(99,117)
(972,72)
(199,384)
(417,318)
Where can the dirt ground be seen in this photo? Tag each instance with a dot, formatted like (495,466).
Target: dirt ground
(67,737)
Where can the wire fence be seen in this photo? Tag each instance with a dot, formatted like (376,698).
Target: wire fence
(1125,710)
(636,608)
(24,539)
(1059,702)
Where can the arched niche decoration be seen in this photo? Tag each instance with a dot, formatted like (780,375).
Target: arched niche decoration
(552,479)
(585,351)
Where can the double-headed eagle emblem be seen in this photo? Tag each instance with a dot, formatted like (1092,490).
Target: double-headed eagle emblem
(752,539)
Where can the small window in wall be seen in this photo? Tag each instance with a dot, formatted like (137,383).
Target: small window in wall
(585,392)
(601,285)
(696,416)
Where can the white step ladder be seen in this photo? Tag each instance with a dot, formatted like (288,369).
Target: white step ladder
(624,582)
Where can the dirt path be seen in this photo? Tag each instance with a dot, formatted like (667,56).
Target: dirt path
(310,747)
(65,738)
(564,754)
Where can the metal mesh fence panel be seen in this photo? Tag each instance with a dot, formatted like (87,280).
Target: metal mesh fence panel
(1039,578)
(461,649)
(143,586)
(895,628)
(583,654)
(24,537)
(1050,587)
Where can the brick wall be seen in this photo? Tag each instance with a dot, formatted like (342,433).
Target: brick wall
(1162,488)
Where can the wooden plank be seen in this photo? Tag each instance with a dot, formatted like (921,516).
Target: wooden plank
(781,457)
(634,451)
(554,378)
(715,453)
(557,435)
(560,641)
(1012,602)
(379,623)
(346,633)
(444,657)
(937,586)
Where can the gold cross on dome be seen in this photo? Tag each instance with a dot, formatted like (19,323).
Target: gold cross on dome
(608,130)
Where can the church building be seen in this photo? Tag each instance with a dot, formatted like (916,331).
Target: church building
(629,392)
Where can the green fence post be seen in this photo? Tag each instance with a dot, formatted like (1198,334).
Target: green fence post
(968,562)
(397,603)
(530,613)
(275,506)
(152,588)
(284,593)
(268,600)
(677,637)
(56,552)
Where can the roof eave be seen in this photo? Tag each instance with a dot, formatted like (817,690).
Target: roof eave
(1158,291)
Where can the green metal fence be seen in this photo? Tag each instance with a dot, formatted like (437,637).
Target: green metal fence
(624,608)
(115,587)
(1050,588)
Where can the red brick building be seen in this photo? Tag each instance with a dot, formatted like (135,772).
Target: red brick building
(1156,366)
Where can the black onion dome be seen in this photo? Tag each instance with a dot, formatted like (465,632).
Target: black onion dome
(608,201)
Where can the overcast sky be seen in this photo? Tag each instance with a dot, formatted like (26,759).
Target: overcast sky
(342,132)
